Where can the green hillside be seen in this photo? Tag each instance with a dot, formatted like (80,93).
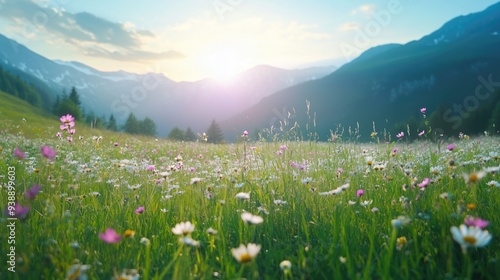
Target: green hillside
(18,117)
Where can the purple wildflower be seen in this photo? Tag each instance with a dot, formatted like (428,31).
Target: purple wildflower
(18,211)
(31,193)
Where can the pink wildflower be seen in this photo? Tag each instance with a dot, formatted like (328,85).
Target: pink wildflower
(424,183)
(110,236)
(477,222)
(19,154)
(359,193)
(139,210)
(48,152)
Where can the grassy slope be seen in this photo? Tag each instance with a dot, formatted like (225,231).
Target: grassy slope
(85,190)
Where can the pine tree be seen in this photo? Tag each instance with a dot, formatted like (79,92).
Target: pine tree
(214,133)
(131,124)
(112,123)
(189,135)
(147,127)
(74,97)
(176,134)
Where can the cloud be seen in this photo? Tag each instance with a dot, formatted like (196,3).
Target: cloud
(88,33)
(352,25)
(366,9)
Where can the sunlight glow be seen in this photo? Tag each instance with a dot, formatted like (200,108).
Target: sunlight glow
(224,65)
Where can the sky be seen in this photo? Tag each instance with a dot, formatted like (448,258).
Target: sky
(195,39)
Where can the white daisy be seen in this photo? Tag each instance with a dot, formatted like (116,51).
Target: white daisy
(470,236)
(244,254)
(251,219)
(184,228)
(242,195)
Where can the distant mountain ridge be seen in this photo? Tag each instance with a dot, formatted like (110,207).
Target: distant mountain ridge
(387,85)
(170,104)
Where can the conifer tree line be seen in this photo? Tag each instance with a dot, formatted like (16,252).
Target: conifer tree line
(213,134)
(71,104)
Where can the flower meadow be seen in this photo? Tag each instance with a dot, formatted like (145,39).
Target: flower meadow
(122,207)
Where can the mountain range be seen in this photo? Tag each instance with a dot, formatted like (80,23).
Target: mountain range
(170,104)
(384,87)
(387,85)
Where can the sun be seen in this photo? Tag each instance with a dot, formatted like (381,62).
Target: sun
(224,64)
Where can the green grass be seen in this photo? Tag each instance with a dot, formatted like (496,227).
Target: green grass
(323,236)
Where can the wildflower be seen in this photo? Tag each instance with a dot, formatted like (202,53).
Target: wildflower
(31,193)
(375,210)
(424,183)
(366,202)
(17,211)
(134,187)
(493,183)
(285,265)
(369,160)
(263,210)
(476,222)
(245,254)
(144,241)
(189,241)
(373,134)
(251,219)
(400,135)
(110,236)
(306,180)
(342,259)
(283,147)
(184,228)
(129,233)
(116,144)
(242,195)
(131,274)
(139,210)
(150,168)
(48,152)
(245,134)
(195,181)
(423,110)
(470,236)
(68,119)
(401,242)
(211,231)
(279,202)
(77,272)
(451,147)
(360,193)
(19,154)
(474,177)
(471,206)
(421,133)
(400,221)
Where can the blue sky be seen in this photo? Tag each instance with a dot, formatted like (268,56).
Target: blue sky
(193,39)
